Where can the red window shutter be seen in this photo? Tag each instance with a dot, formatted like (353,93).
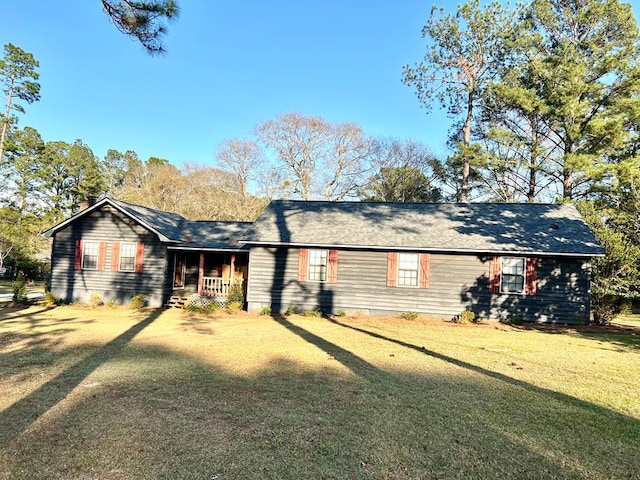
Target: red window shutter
(333,266)
(139,257)
(102,255)
(115,257)
(78,259)
(531,280)
(494,275)
(392,269)
(425,266)
(303,264)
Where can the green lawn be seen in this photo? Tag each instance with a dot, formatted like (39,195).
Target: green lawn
(117,394)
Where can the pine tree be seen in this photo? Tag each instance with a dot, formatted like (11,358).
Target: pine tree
(18,76)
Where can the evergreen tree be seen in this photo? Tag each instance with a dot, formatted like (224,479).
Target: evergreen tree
(142,19)
(571,91)
(464,53)
(23,165)
(18,77)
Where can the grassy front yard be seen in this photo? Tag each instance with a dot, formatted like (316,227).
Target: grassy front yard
(169,395)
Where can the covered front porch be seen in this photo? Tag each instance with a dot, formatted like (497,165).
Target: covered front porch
(208,273)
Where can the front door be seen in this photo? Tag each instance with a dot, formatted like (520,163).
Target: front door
(179,270)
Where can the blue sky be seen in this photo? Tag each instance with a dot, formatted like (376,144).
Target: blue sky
(229,66)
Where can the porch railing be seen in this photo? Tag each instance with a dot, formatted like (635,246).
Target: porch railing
(218,287)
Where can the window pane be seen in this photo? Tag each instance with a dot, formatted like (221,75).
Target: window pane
(317,273)
(127,257)
(318,257)
(408,269)
(318,265)
(408,278)
(512,275)
(408,261)
(90,263)
(90,248)
(513,266)
(90,255)
(512,283)
(127,264)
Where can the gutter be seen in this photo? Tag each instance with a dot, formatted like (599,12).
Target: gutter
(427,249)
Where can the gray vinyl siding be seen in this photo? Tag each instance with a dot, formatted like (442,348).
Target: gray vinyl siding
(109,226)
(457,283)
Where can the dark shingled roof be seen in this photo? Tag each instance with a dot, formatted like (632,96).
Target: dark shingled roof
(474,227)
(213,235)
(202,234)
(171,227)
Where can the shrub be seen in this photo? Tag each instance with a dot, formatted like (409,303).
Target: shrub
(204,305)
(95,299)
(312,313)
(410,315)
(266,310)
(206,309)
(192,307)
(137,302)
(49,299)
(467,316)
(341,313)
(234,307)
(604,309)
(626,307)
(513,321)
(291,310)
(111,303)
(616,275)
(19,291)
(236,293)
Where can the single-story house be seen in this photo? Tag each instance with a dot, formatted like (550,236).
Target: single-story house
(528,262)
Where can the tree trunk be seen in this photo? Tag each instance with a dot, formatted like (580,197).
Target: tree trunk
(5,123)
(466,140)
(567,174)
(531,193)
(567,184)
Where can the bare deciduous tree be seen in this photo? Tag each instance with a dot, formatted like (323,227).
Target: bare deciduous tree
(317,159)
(242,158)
(403,173)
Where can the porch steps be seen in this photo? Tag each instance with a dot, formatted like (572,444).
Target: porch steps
(177,301)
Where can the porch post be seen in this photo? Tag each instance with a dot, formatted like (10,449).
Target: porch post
(201,273)
(233,267)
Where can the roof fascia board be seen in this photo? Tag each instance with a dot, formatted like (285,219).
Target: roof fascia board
(434,250)
(206,249)
(162,237)
(73,218)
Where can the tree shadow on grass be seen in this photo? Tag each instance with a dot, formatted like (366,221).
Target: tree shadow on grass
(625,337)
(174,414)
(345,357)
(5,313)
(19,416)
(512,427)
(495,375)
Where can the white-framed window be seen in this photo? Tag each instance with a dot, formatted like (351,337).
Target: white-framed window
(127,261)
(90,255)
(513,275)
(317,265)
(408,268)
